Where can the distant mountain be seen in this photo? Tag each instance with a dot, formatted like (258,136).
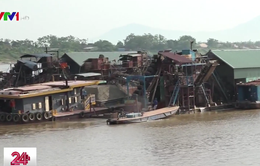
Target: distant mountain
(243,32)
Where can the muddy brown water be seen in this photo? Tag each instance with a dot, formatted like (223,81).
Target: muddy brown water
(228,138)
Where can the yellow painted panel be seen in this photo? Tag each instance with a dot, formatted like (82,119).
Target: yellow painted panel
(47,106)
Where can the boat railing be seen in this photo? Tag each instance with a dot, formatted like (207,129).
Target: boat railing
(186,80)
(90,100)
(133,115)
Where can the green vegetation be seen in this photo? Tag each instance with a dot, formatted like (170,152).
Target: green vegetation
(11,49)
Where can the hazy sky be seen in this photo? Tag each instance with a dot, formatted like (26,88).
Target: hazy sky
(92,18)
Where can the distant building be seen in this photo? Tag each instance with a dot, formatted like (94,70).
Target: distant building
(121,49)
(236,46)
(236,66)
(76,59)
(203,45)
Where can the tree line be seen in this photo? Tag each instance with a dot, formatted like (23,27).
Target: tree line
(12,49)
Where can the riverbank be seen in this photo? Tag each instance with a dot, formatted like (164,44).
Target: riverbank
(7,62)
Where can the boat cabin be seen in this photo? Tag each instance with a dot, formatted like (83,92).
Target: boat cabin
(57,96)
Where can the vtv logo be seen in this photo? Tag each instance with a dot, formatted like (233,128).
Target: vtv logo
(7,15)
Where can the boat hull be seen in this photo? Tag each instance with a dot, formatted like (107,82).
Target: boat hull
(147,116)
(247,105)
(77,114)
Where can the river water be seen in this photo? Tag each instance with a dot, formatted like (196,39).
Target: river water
(223,138)
(4,67)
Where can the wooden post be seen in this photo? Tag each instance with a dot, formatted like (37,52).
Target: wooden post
(136,102)
(90,103)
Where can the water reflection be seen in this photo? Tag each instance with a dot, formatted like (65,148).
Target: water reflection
(34,128)
(215,138)
(209,118)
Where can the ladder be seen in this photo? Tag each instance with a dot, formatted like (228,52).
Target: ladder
(204,93)
(18,77)
(205,73)
(147,64)
(175,93)
(154,80)
(156,84)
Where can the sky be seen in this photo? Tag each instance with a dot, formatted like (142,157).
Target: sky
(89,19)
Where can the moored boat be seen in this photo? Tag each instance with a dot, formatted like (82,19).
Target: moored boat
(144,117)
(248,96)
(47,101)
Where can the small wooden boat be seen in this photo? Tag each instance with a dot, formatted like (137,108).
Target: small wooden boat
(146,116)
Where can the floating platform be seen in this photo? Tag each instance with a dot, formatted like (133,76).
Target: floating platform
(94,112)
(220,107)
(146,116)
(75,114)
(247,105)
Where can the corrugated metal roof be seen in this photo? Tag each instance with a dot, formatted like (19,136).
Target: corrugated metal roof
(35,55)
(194,64)
(32,88)
(35,89)
(31,65)
(239,58)
(70,83)
(80,57)
(131,55)
(88,74)
(177,58)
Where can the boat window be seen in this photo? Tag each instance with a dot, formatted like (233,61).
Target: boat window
(76,99)
(69,99)
(39,105)
(33,106)
(47,103)
(75,91)
(61,101)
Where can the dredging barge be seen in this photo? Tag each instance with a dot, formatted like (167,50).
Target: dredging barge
(248,96)
(48,101)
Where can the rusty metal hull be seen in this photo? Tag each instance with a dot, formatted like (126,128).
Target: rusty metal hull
(220,107)
(247,105)
(77,114)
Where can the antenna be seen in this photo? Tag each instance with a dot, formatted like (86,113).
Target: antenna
(191,43)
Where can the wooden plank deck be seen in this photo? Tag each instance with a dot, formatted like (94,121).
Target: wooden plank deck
(152,113)
(159,111)
(77,112)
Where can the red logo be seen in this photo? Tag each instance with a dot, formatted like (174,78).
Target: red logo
(23,156)
(20,159)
